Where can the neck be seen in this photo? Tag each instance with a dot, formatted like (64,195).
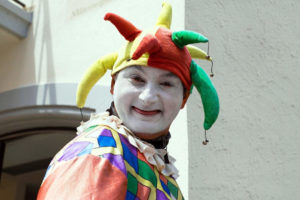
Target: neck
(152,136)
(160,142)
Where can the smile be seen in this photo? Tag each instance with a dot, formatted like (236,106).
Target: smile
(146,112)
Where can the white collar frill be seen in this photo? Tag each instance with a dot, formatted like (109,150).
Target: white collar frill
(152,155)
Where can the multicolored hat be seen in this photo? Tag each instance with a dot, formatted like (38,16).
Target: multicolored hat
(157,47)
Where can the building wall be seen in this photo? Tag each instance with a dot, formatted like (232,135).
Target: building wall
(65,38)
(254,150)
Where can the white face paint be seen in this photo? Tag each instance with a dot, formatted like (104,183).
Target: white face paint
(147,99)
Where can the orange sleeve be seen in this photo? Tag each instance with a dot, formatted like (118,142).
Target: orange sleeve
(84,177)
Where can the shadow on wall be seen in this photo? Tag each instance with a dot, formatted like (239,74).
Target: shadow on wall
(45,66)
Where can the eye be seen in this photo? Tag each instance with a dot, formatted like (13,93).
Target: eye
(166,84)
(137,79)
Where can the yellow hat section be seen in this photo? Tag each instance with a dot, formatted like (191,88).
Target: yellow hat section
(198,53)
(93,74)
(165,16)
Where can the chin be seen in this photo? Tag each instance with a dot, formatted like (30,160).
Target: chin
(147,129)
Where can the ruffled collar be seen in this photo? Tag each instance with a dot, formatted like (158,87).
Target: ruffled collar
(152,155)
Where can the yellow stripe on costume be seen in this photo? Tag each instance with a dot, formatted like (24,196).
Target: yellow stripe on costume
(116,136)
(179,194)
(172,181)
(142,180)
(104,150)
(159,186)
(180,197)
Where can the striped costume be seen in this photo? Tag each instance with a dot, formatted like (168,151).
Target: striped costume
(105,162)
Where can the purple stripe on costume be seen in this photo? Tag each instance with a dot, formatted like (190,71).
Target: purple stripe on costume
(106,132)
(116,160)
(160,195)
(72,150)
(130,147)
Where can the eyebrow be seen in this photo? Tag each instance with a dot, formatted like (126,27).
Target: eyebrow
(168,74)
(137,67)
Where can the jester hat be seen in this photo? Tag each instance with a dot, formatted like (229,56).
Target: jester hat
(161,48)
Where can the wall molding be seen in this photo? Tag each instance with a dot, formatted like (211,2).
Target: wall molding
(14,19)
(47,106)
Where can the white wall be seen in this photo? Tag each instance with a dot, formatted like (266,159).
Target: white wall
(254,151)
(67,36)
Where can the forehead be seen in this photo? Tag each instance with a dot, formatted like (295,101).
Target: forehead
(150,71)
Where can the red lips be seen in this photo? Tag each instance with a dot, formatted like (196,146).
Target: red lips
(146,112)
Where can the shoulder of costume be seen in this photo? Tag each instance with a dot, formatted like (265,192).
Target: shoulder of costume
(97,137)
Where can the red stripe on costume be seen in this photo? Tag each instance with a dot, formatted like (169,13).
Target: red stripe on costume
(86,177)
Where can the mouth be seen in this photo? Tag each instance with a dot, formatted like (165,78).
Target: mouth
(146,112)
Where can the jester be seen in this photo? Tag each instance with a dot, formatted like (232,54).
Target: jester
(122,153)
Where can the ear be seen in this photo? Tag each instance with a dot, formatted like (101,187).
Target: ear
(185,98)
(112,85)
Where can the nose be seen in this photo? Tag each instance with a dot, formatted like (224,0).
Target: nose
(149,94)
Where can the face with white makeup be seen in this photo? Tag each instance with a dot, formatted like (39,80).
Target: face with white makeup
(147,100)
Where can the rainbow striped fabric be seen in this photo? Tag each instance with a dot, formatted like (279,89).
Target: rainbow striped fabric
(100,163)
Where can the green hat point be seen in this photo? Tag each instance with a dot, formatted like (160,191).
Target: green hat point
(182,38)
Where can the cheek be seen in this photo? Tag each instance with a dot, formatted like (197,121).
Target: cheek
(172,103)
(119,88)
(121,103)
(123,95)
